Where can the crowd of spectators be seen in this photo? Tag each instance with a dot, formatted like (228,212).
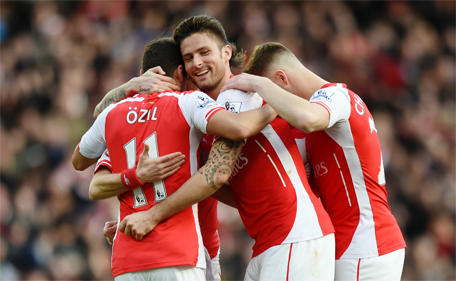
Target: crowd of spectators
(58,59)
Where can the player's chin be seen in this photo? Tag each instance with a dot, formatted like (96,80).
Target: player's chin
(206,85)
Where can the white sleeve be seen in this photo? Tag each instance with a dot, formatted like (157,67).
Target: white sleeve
(336,102)
(93,142)
(105,160)
(198,108)
(238,101)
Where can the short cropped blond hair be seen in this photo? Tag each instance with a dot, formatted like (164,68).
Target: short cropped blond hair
(264,56)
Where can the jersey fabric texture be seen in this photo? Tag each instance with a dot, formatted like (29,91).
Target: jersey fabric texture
(347,171)
(167,122)
(270,185)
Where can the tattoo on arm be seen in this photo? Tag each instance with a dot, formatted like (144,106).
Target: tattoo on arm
(114,95)
(222,157)
(141,89)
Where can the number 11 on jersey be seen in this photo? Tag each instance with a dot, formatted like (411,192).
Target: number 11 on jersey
(159,186)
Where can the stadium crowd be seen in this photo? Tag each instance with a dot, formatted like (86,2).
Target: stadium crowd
(58,59)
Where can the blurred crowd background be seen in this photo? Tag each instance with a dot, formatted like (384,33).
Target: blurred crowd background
(58,59)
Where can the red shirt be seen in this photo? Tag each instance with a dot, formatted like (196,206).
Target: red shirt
(172,122)
(348,175)
(270,185)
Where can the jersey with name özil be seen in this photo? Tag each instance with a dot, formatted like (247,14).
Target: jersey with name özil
(167,122)
(270,185)
(347,171)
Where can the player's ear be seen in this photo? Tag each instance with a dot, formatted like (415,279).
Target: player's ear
(179,74)
(140,72)
(227,52)
(282,77)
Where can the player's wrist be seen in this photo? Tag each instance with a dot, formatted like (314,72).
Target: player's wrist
(130,88)
(130,179)
(154,216)
(142,176)
(262,83)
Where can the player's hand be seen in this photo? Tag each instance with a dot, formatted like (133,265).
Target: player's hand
(109,231)
(244,82)
(154,169)
(152,81)
(138,224)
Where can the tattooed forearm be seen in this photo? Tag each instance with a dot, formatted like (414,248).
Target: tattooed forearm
(114,95)
(222,157)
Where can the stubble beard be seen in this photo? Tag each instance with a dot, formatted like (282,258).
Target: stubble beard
(213,82)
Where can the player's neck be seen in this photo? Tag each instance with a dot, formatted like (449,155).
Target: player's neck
(311,83)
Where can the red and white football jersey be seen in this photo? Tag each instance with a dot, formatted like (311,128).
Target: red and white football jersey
(270,185)
(207,214)
(168,122)
(347,171)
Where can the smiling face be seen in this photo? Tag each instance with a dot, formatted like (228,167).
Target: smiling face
(205,62)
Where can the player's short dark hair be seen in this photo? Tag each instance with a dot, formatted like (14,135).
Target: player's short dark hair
(162,52)
(263,56)
(212,26)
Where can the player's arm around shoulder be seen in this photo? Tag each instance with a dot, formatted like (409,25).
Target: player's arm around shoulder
(314,118)
(328,106)
(152,81)
(201,185)
(239,126)
(244,118)
(92,144)
(297,111)
(80,162)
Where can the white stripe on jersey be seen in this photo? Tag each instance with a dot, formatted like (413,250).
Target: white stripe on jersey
(115,235)
(272,162)
(262,148)
(201,253)
(306,217)
(195,137)
(343,180)
(170,94)
(277,170)
(364,237)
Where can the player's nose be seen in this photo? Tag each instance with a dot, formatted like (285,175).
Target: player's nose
(197,61)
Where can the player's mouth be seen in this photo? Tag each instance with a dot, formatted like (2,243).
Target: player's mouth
(202,73)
